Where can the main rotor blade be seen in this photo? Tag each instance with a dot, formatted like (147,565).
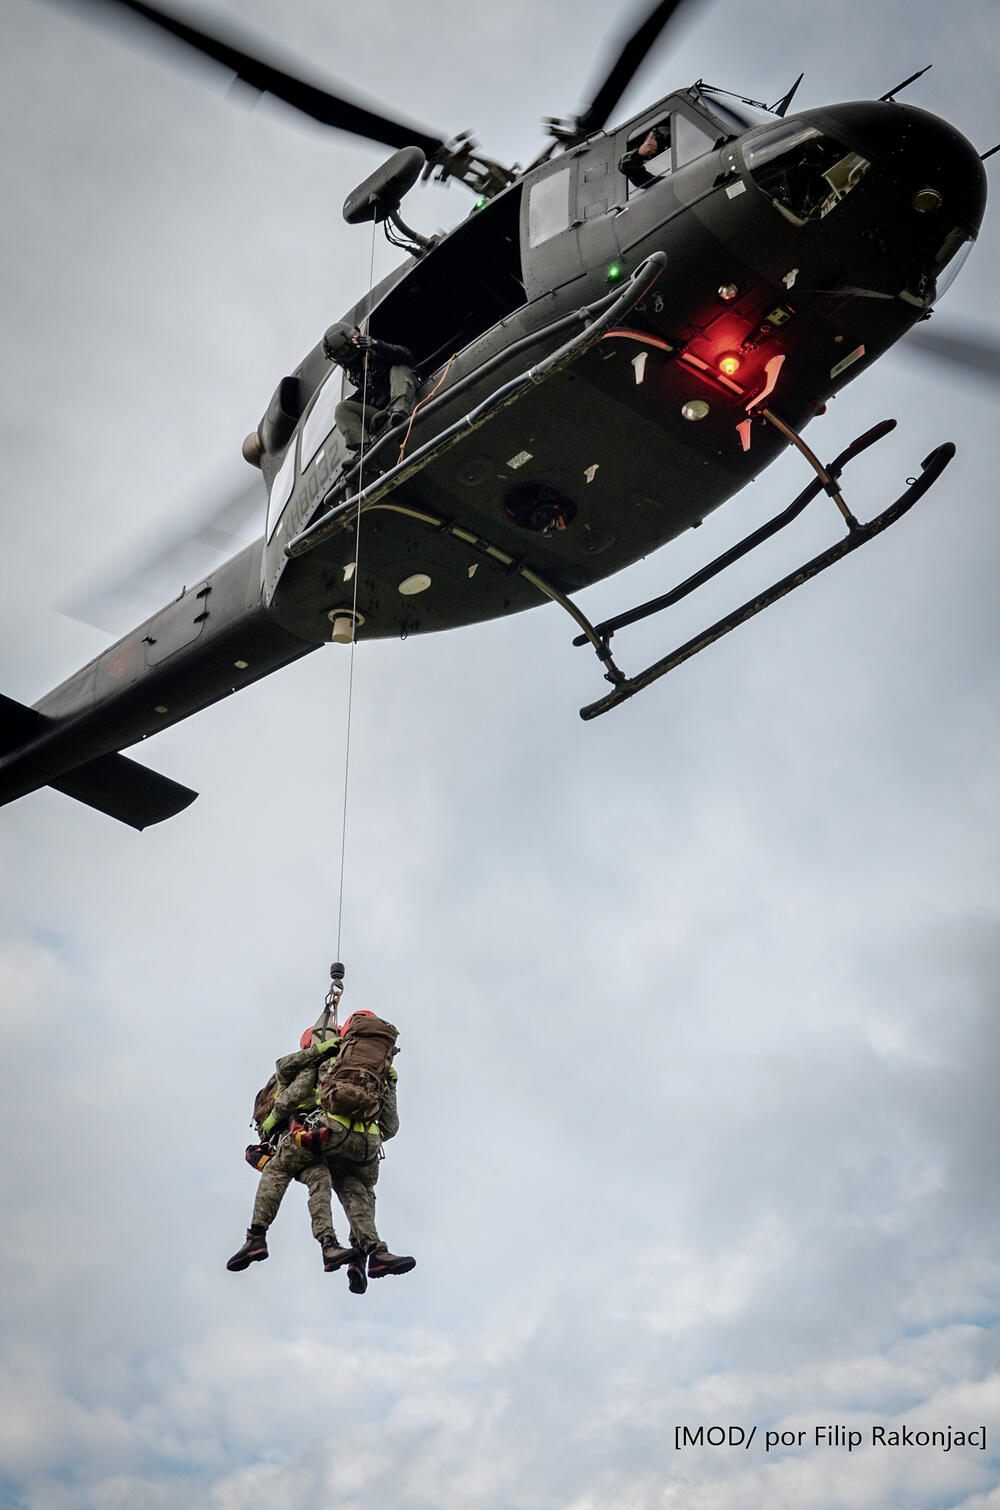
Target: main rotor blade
(625,66)
(179,553)
(964,351)
(311,99)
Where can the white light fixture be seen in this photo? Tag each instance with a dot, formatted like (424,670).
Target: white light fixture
(410,586)
(345,622)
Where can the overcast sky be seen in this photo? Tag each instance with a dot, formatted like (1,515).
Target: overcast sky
(697,1003)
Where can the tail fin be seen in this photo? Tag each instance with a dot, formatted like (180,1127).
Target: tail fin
(18,724)
(113,784)
(126,790)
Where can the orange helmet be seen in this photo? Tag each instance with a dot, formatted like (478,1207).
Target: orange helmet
(306,1040)
(361,1012)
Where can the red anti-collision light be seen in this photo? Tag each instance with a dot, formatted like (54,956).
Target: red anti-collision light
(729,364)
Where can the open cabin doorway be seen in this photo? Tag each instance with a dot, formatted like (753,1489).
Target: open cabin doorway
(459,289)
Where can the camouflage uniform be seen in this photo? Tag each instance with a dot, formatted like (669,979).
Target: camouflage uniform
(353,1162)
(350,1165)
(292,1162)
(296,1083)
(296,1091)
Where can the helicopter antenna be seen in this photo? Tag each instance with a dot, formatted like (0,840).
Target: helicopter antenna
(780,106)
(984,155)
(918,75)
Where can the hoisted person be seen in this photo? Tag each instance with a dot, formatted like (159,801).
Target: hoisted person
(337,1096)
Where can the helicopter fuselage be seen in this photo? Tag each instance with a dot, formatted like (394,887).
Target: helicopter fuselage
(799,240)
(796,251)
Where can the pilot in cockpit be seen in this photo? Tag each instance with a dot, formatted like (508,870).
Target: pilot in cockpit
(636,162)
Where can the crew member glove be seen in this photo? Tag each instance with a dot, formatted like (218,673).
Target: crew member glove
(268,1125)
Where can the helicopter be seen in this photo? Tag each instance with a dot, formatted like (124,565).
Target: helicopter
(603,360)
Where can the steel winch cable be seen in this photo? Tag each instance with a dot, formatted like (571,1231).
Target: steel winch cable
(354,613)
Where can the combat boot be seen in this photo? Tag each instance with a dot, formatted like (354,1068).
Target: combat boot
(253,1249)
(381,1261)
(357,1278)
(334,1256)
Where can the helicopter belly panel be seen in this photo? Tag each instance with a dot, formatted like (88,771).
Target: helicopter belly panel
(573,479)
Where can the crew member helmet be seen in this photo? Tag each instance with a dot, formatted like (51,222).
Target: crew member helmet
(337,339)
(361,1012)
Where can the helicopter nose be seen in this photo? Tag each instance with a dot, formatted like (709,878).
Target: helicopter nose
(909,192)
(936,169)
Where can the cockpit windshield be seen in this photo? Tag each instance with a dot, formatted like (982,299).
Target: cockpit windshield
(950,259)
(804,173)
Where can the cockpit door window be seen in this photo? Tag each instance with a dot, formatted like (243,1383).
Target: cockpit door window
(647,155)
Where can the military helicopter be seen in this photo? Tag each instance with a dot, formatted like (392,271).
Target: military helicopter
(613,343)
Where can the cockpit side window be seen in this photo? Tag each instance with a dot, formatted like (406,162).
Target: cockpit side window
(281,491)
(647,155)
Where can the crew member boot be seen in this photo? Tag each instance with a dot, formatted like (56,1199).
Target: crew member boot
(253,1249)
(357,1278)
(381,1261)
(334,1256)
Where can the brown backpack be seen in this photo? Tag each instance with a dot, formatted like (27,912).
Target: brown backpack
(355,1083)
(263,1103)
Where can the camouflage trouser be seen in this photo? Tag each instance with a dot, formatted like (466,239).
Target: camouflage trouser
(292,1162)
(353,1163)
(355,1187)
(348,413)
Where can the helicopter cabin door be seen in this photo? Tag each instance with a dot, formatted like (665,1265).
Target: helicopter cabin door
(597,206)
(548,229)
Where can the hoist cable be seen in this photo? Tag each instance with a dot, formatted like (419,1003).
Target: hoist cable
(354,613)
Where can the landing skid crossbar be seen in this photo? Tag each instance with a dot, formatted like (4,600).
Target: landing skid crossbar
(858,534)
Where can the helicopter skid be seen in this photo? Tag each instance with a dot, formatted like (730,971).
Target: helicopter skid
(858,535)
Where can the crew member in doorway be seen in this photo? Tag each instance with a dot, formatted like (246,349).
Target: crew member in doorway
(383,376)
